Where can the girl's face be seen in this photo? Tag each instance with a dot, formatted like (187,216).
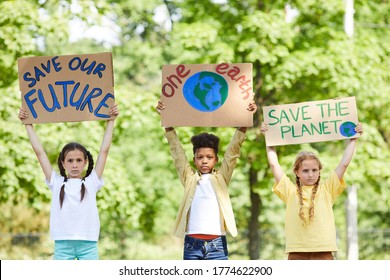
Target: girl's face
(308,172)
(74,163)
(205,160)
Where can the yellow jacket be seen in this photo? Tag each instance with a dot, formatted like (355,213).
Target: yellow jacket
(219,178)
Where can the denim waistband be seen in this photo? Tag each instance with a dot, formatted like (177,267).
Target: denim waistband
(194,240)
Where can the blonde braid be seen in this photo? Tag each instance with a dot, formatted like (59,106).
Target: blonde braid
(305,155)
(313,195)
(312,198)
(300,197)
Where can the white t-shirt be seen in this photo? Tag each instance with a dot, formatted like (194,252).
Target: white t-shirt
(75,220)
(205,216)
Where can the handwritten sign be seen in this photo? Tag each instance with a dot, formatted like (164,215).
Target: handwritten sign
(212,95)
(314,121)
(66,88)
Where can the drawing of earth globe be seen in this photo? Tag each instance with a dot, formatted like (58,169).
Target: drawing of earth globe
(347,129)
(205,91)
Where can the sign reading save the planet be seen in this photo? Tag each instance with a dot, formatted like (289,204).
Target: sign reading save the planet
(66,88)
(213,95)
(313,121)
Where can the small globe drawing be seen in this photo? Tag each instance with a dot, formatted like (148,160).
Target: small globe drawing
(205,91)
(347,129)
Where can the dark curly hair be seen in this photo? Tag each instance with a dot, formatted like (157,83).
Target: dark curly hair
(61,158)
(205,140)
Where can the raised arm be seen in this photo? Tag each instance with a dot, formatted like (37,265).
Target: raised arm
(37,146)
(348,153)
(252,107)
(276,169)
(106,142)
(272,156)
(160,106)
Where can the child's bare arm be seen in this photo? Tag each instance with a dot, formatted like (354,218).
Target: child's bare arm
(348,153)
(160,106)
(106,142)
(272,156)
(273,161)
(37,146)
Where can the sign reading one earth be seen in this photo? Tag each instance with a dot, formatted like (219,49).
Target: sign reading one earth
(212,95)
(66,88)
(314,121)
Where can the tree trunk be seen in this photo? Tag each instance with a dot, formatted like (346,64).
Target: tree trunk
(352,224)
(254,224)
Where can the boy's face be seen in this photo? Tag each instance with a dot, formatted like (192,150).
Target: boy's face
(205,159)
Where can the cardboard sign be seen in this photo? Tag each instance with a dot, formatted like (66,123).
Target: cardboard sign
(212,95)
(66,88)
(314,121)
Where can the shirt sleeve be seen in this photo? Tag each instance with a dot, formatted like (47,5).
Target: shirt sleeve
(55,180)
(179,157)
(94,181)
(282,188)
(334,185)
(231,155)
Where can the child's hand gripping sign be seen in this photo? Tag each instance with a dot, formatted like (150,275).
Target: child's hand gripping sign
(207,95)
(314,121)
(66,88)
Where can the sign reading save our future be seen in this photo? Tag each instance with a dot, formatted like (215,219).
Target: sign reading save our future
(213,95)
(313,121)
(66,88)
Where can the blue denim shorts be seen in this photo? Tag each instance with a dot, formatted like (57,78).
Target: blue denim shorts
(75,250)
(199,249)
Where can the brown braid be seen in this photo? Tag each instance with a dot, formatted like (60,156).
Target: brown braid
(63,174)
(89,170)
(298,162)
(61,158)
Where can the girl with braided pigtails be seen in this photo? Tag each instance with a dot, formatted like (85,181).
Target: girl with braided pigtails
(74,217)
(310,230)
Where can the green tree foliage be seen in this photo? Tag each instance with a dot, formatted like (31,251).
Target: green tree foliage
(27,28)
(307,57)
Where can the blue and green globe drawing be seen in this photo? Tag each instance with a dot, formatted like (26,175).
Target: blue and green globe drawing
(205,91)
(347,129)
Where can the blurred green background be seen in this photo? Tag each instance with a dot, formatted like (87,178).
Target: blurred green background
(299,51)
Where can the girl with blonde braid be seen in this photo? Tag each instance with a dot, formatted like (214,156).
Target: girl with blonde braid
(310,230)
(74,217)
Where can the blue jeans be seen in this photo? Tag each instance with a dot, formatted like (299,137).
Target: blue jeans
(198,249)
(75,250)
